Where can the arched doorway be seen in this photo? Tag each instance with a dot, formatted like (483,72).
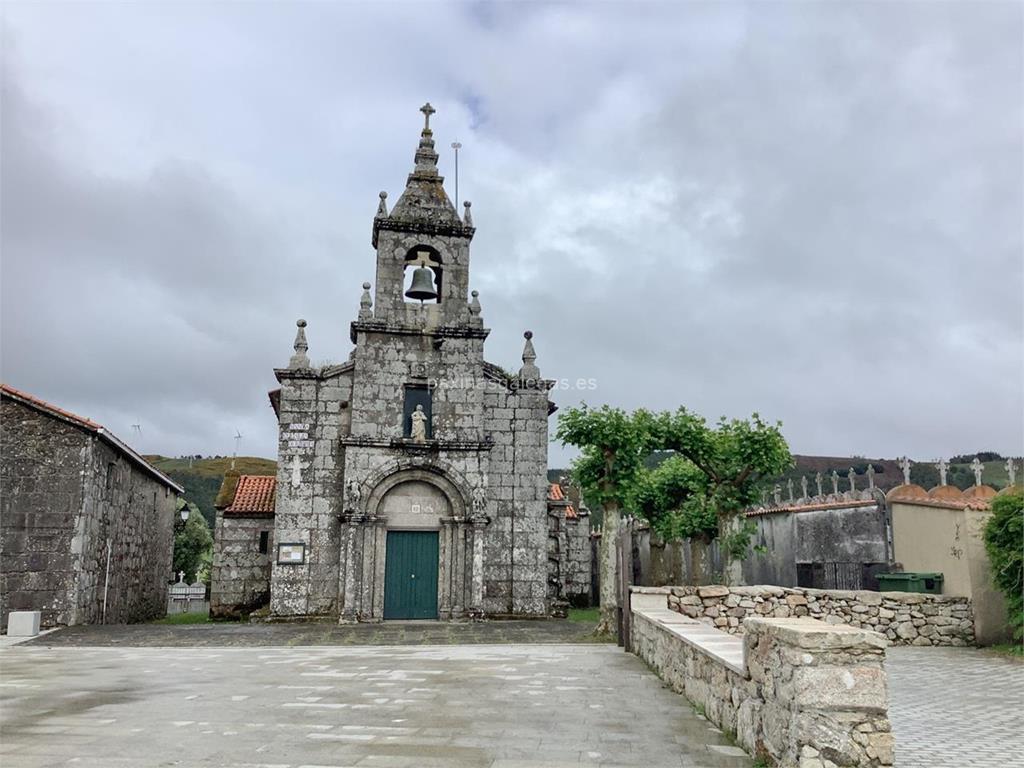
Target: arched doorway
(413,511)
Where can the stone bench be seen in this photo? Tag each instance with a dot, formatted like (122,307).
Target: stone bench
(805,693)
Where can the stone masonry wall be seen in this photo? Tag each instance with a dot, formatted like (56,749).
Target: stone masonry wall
(40,475)
(809,695)
(904,618)
(136,513)
(240,577)
(66,493)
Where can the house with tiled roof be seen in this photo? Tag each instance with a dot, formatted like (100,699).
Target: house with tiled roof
(243,544)
(86,523)
(570,554)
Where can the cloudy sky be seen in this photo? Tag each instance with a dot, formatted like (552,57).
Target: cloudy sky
(813,211)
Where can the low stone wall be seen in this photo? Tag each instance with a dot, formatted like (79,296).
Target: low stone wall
(905,618)
(806,695)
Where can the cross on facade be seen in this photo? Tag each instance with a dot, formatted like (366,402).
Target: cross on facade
(942,465)
(978,468)
(427,111)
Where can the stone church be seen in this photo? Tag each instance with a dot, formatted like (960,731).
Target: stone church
(412,478)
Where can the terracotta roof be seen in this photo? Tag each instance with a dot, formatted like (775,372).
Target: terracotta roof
(556,497)
(90,426)
(811,507)
(946,493)
(255,494)
(945,496)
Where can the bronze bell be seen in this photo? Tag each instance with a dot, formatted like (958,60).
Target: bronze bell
(422,287)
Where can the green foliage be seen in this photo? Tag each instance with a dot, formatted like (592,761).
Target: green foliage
(193,544)
(673,498)
(735,457)
(1004,542)
(688,479)
(613,445)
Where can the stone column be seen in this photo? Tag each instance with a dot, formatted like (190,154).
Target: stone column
(476,598)
(380,548)
(368,546)
(459,565)
(347,571)
(444,570)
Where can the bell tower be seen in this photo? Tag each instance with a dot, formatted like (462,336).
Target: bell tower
(422,248)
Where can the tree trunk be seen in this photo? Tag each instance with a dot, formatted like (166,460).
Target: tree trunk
(609,570)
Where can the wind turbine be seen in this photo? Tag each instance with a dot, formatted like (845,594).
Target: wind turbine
(238,440)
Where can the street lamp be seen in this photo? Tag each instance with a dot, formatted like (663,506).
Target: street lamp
(456,146)
(184,514)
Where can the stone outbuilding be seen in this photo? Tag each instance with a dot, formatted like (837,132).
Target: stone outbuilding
(412,477)
(570,555)
(243,543)
(86,524)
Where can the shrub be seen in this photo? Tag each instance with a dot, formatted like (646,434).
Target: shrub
(1004,542)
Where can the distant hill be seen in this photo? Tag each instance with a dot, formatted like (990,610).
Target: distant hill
(201,478)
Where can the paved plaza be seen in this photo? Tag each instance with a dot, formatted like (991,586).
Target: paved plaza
(495,694)
(306,633)
(953,707)
(494,706)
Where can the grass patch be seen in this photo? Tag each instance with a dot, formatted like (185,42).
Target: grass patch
(585,615)
(184,618)
(1008,649)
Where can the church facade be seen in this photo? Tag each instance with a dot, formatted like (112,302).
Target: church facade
(411,478)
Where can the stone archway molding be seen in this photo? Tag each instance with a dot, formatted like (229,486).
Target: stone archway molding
(441,475)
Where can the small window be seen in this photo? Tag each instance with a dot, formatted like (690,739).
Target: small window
(417,394)
(264,542)
(110,475)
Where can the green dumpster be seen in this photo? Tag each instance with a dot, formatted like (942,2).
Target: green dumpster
(927,583)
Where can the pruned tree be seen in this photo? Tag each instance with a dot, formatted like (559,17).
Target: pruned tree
(613,445)
(733,460)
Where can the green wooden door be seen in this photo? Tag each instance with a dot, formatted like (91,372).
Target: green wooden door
(410,575)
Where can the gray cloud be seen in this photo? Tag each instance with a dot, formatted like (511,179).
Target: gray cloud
(809,211)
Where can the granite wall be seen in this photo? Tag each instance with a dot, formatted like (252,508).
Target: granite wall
(799,693)
(69,497)
(904,618)
(240,577)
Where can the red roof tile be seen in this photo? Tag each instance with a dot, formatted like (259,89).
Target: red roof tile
(254,494)
(556,494)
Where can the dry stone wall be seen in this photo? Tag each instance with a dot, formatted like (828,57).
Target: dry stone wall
(904,618)
(808,695)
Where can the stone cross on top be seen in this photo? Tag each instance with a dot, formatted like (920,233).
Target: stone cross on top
(427,111)
(905,466)
(942,465)
(978,468)
(1011,471)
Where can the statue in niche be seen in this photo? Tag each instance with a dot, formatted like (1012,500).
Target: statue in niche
(479,501)
(352,495)
(419,425)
